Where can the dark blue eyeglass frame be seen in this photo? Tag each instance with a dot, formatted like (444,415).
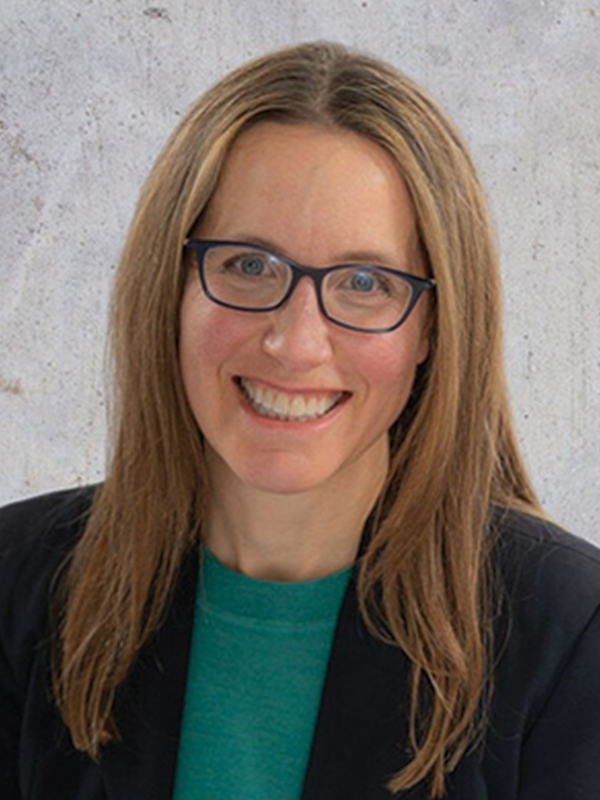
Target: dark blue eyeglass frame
(299,271)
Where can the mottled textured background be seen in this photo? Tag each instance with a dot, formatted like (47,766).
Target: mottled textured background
(89,89)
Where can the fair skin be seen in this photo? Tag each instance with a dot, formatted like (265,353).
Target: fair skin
(289,497)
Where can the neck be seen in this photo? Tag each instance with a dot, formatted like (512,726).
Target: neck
(290,537)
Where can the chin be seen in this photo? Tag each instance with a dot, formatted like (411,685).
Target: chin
(282,483)
(276,476)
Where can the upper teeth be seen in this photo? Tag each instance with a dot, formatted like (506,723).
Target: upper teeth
(280,405)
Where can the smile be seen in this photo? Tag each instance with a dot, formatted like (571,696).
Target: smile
(285,406)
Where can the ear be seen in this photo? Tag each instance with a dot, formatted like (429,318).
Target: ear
(423,351)
(427,325)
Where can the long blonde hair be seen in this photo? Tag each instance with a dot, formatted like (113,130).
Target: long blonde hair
(422,581)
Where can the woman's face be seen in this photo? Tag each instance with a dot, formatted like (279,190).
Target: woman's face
(320,197)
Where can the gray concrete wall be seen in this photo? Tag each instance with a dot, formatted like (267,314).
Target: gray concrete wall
(89,89)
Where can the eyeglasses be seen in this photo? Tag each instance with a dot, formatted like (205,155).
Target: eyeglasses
(361,297)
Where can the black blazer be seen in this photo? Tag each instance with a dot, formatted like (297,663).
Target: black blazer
(543,736)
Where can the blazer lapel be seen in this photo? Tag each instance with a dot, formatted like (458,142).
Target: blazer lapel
(150,710)
(360,737)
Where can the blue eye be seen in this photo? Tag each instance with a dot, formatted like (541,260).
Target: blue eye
(251,265)
(362,282)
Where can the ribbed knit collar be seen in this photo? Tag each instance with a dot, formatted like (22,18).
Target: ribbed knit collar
(294,601)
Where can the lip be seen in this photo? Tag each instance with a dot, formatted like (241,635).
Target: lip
(321,392)
(290,424)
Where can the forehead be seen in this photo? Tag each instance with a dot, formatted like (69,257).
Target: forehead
(310,189)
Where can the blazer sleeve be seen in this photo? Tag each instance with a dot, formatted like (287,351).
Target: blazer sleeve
(561,753)
(20,634)
(9,732)
(35,537)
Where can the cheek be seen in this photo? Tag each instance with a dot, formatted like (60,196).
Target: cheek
(388,365)
(209,334)
(389,362)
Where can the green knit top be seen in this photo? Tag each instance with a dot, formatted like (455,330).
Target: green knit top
(257,665)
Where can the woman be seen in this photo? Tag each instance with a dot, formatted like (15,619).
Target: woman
(310,397)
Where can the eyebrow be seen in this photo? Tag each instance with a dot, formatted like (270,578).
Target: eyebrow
(351,257)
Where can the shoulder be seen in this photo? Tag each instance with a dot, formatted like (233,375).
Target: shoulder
(36,535)
(51,515)
(539,561)
(546,642)
(37,531)
(548,618)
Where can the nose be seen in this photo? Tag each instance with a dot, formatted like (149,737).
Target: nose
(299,335)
